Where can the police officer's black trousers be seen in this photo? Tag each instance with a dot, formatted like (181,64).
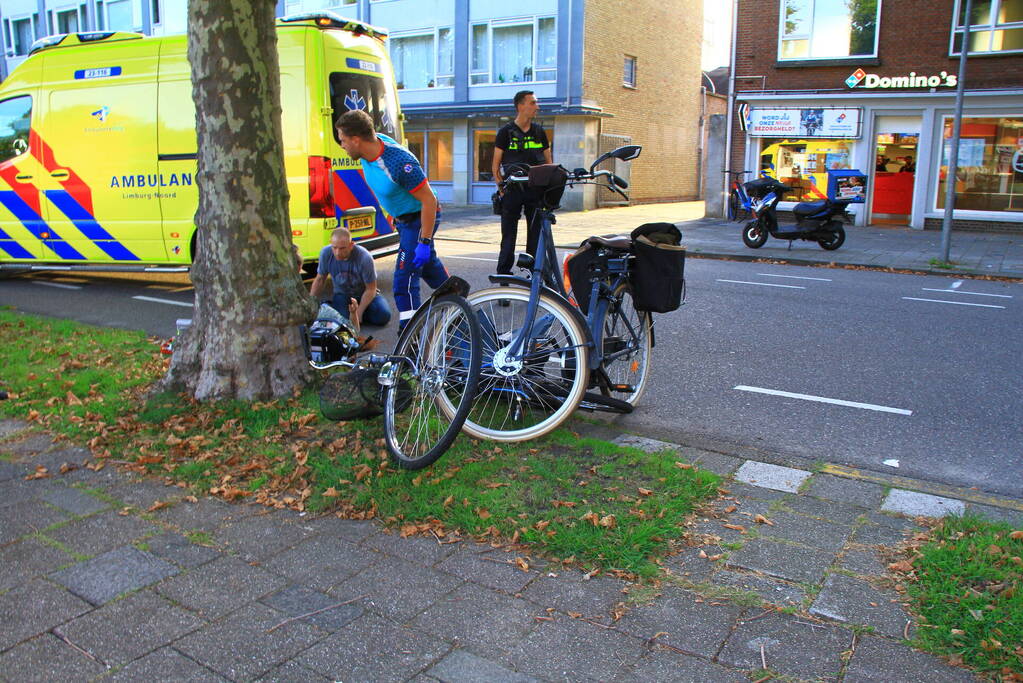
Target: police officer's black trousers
(516,201)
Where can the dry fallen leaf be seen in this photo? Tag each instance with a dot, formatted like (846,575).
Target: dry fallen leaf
(735,527)
(683,466)
(901,566)
(760,519)
(1016,535)
(522,564)
(645,492)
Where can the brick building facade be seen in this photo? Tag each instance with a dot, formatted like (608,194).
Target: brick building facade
(861,84)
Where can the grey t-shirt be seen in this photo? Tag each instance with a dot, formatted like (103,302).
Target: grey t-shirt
(350,275)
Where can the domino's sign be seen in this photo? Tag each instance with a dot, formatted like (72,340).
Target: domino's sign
(862,79)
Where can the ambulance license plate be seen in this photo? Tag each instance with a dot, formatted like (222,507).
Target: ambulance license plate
(359,223)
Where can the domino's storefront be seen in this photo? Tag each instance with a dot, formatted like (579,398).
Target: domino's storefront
(897,131)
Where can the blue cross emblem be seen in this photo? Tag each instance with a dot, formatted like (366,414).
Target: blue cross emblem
(354,101)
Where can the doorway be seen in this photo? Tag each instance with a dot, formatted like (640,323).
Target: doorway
(896,141)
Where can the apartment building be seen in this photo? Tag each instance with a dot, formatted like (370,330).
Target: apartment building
(606,73)
(870,85)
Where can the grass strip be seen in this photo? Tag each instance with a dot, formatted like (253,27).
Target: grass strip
(965,581)
(581,502)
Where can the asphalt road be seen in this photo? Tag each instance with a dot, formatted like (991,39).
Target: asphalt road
(822,365)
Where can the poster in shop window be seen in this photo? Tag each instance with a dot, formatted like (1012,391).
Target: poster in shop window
(805,123)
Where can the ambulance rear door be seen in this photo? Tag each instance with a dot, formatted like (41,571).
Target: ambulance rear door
(176,150)
(99,152)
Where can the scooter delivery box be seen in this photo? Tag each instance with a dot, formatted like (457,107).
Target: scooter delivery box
(847,185)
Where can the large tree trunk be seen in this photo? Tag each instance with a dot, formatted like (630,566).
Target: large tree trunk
(249,299)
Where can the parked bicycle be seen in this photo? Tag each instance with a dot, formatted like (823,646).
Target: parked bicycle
(427,385)
(543,356)
(739,202)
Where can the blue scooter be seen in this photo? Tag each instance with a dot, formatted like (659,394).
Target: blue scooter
(819,222)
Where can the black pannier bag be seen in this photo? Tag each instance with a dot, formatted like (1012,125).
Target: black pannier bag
(657,276)
(577,270)
(548,181)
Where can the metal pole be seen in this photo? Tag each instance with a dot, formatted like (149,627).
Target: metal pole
(953,152)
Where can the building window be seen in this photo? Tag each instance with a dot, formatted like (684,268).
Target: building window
(67,21)
(988,175)
(119,16)
(425,60)
(23,35)
(484,145)
(828,29)
(514,51)
(155,13)
(629,77)
(15,121)
(996,26)
(434,151)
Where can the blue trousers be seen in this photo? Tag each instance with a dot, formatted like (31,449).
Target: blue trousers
(377,313)
(406,278)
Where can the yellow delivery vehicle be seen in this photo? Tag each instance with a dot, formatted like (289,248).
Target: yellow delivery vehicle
(98,146)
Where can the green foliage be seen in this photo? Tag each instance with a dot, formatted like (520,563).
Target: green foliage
(966,583)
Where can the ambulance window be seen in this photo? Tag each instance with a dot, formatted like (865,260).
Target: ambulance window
(358,91)
(15,121)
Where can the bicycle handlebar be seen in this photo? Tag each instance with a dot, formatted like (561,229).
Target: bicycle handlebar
(580,176)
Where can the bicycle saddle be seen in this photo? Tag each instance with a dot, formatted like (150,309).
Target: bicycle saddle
(620,242)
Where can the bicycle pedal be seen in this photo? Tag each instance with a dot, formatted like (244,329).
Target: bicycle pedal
(624,388)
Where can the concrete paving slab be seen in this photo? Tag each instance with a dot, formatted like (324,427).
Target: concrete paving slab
(322,562)
(877,534)
(418,549)
(397,589)
(462,666)
(646,444)
(174,547)
(372,648)
(774,591)
(11,470)
(877,660)
(782,560)
(34,608)
(493,569)
(863,494)
(292,672)
(47,658)
(165,664)
(127,629)
(28,517)
(18,490)
(854,601)
(261,536)
(863,562)
(318,609)
(458,616)
(102,532)
(921,504)
(1013,518)
(10,427)
(208,514)
(249,642)
(220,587)
(145,493)
(570,592)
(687,564)
(351,530)
(806,531)
(830,510)
(75,501)
(27,445)
(691,624)
(114,573)
(670,667)
(776,477)
(740,491)
(56,458)
(572,650)
(27,559)
(790,646)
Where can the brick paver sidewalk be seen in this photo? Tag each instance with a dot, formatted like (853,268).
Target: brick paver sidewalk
(108,577)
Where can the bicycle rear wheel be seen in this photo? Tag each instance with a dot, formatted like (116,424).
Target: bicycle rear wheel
(627,343)
(521,399)
(434,379)
(733,205)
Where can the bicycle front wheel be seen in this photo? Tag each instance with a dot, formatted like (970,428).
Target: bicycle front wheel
(434,375)
(627,344)
(733,205)
(525,397)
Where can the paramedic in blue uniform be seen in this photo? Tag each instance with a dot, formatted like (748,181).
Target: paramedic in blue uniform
(399,183)
(520,141)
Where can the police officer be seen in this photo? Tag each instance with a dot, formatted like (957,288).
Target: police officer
(520,141)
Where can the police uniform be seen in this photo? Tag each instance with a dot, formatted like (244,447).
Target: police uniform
(393,176)
(518,147)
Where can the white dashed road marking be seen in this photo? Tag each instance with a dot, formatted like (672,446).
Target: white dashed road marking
(822,399)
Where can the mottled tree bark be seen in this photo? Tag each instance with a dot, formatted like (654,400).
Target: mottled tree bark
(249,300)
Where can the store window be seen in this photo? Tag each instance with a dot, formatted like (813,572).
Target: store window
(803,164)
(434,151)
(514,51)
(424,61)
(995,26)
(828,29)
(989,176)
(483,144)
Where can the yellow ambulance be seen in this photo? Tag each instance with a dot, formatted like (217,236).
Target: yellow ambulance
(98,146)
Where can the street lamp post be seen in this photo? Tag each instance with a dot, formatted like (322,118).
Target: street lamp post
(953,152)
